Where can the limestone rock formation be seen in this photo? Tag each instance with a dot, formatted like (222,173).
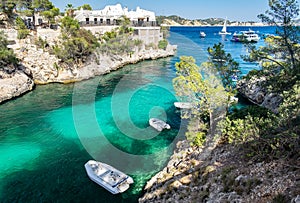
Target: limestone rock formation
(14,84)
(254,91)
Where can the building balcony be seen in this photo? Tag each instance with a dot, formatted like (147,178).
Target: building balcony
(117,23)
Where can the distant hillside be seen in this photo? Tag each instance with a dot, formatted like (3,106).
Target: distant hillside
(177,20)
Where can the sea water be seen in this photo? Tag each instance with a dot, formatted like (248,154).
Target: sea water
(47,135)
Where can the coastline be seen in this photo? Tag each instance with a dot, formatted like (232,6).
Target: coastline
(38,68)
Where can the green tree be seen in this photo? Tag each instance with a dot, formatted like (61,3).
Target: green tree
(8,7)
(21,28)
(76,44)
(280,57)
(85,7)
(207,97)
(7,56)
(224,64)
(70,10)
(51,14)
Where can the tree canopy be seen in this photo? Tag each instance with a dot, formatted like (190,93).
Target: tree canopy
(280,57)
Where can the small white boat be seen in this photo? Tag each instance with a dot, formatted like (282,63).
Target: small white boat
(159,125)
(108,177)
(183,105)
(202,34)
(224,29)
(234,100)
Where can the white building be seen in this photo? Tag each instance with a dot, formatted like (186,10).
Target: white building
(111,14)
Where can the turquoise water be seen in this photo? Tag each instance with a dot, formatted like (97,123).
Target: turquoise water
(47,135)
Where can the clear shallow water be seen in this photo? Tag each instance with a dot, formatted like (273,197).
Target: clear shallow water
(47,135)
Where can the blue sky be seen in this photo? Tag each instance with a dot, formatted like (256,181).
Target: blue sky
(241,10)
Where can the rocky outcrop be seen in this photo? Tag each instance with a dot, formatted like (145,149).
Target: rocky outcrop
(14,84)
(45,67)
(254,90)
(221,176)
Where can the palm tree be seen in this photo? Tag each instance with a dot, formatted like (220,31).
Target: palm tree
(70,10)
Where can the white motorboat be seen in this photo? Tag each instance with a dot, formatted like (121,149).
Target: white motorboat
(183,105)
(224,29)
(245,36)
(108,177)
(159,125)
(202,34)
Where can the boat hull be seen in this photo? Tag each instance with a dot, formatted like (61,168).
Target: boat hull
(108,177)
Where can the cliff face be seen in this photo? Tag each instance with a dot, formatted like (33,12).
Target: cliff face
(223,175)
(254,91)
(44,68)
(42,65)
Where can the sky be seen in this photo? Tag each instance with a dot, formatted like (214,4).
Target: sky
(239,10)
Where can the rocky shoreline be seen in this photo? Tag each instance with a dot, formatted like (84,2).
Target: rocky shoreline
(254,90)
(14,84)
(38,67)
(222,175)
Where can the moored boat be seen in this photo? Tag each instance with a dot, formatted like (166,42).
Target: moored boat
(224,29)
(158,124)
(183,105)
(245,36)
(108,177)
(202,34)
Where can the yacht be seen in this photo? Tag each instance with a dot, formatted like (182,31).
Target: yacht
(108,177)
(245,36)
(159,125)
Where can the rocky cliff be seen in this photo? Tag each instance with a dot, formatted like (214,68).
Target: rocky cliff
(254,90)
(14,84)
(45,67)
(222,175)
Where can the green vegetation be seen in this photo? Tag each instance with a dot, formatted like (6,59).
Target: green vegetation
(259,133)
(205,94)
(85,7)
(162,44)
(7,57)
(280,58)
(119,40)
(76,44)
(21,28)
(271,135)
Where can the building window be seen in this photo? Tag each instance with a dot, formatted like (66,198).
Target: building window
(87,20)
(147,19)
(101,20)
(95,21)
(108,21)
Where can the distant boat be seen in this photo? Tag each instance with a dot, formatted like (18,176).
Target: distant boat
(224,29)
(108,177)
(159,125)
(202,34)
(245,36)
(183,105)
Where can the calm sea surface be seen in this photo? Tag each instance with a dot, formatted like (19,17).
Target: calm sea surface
(47,135)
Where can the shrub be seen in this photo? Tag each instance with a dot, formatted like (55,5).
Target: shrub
(7,56)
(22,29)
(162,44)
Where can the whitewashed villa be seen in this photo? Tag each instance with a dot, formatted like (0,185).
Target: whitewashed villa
(111,14)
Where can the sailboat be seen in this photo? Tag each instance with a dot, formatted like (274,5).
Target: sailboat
(224,29)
